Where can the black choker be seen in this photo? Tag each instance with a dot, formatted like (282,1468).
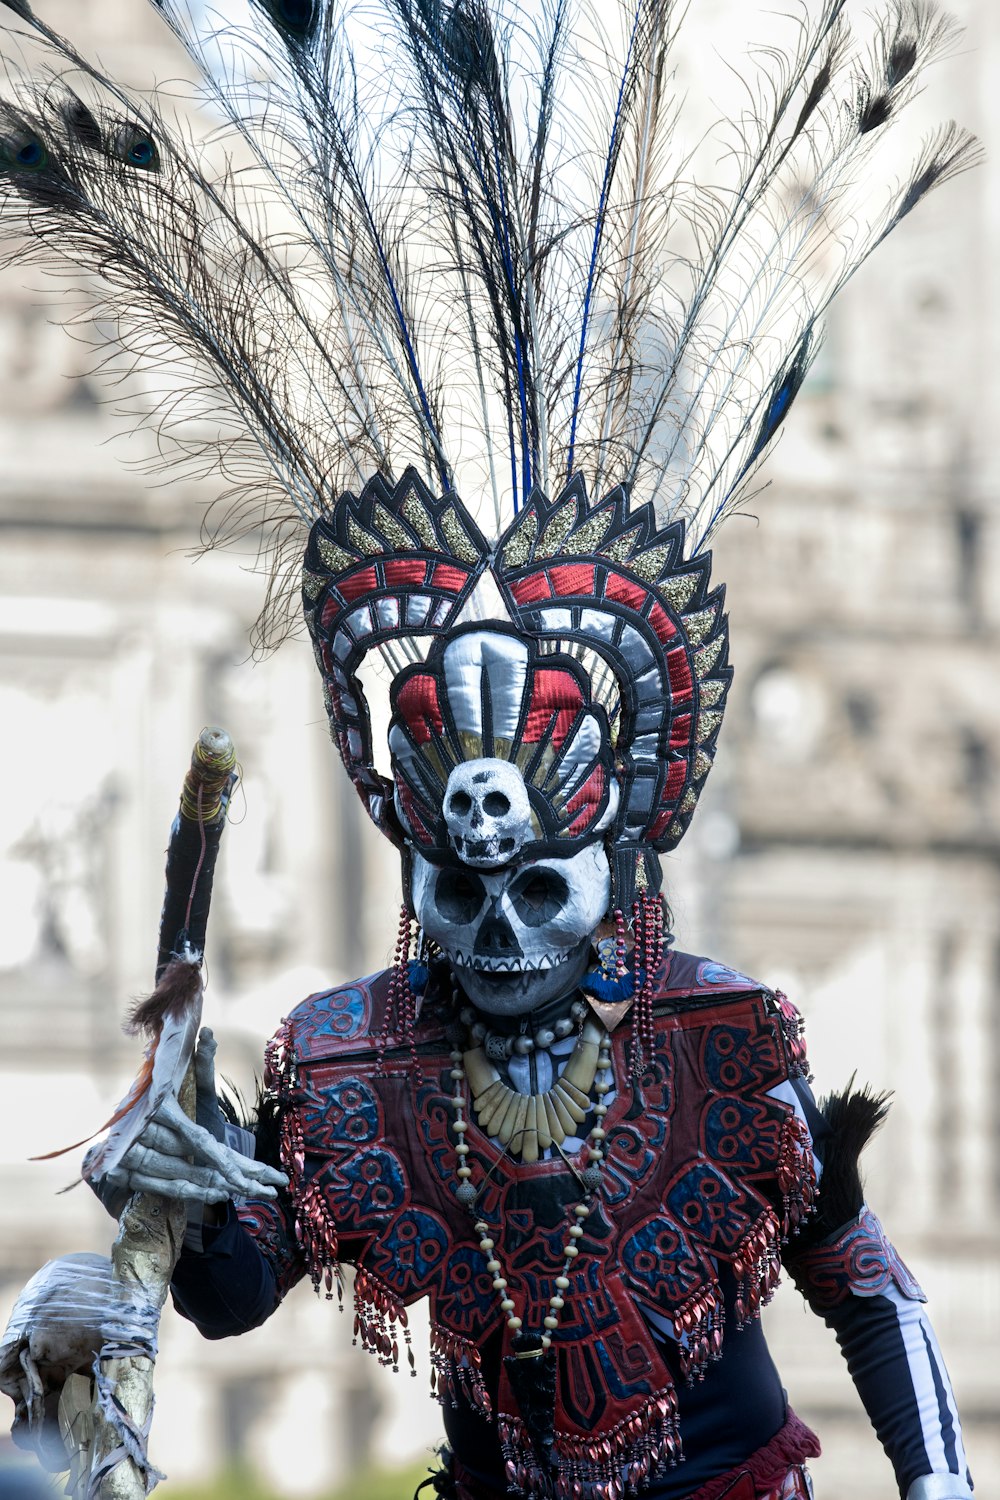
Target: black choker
(500,1044)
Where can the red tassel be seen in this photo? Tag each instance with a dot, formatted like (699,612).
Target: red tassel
(400,1017)
(378,1315)
(606,1467)
(702,1319)
(456,1366)
(796,1174)
(757,1265)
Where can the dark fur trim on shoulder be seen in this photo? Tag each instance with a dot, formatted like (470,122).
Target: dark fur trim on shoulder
(262,1119)
(439,1481)
(267,1128)
(852,1117)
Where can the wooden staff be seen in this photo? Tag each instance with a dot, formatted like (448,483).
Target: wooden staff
(106,1421)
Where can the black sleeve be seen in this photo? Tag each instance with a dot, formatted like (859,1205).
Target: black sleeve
(230,1285)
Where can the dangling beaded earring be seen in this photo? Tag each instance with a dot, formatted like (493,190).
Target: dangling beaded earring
(621,954)
(647,956)
(401,1005)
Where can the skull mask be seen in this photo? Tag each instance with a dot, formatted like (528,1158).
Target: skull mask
(487,812)
(518,938)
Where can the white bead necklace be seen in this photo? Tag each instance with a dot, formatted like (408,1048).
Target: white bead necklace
(467,1195)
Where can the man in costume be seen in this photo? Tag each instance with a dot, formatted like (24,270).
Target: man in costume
(590,1152)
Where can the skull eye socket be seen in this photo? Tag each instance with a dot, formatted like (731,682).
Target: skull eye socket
(539,896)
(496,804)
(459,895)
(460,804)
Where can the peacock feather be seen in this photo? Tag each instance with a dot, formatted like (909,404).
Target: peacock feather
(466,236)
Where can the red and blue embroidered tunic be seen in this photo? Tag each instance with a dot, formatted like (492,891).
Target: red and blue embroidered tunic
(711,1164)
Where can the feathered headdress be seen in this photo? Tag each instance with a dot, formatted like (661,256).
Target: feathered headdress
(459,247)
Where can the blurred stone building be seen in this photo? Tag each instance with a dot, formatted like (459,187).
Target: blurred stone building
(848,849)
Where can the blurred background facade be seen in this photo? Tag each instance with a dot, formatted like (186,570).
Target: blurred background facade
(847,851)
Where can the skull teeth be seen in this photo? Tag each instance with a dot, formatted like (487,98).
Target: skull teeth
(509,965)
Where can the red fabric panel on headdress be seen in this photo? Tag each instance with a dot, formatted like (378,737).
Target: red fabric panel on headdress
(531,589)
(361,581)
(552,692)
(418,707)
(409,805)
(331,608)
(662,623)
(676,777)
(680,731)
(344,749)
(399,570)
(452,580)
(658,827)
(580,823)
(586,802)
(625,592)
(573,578)
(679,668)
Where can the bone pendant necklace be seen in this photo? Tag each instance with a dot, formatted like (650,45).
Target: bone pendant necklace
(527,1124)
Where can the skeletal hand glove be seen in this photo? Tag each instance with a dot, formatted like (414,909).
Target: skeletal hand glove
(939,1487)
(186,1159)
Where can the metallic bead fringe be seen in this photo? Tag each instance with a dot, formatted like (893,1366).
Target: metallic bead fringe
(620,1462)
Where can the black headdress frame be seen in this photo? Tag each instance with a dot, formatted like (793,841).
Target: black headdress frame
(397,566)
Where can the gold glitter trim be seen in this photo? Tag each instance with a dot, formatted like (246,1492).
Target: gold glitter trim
(518,549)
(336,559)
(621,549)
(679,592)
(367,545)
(649,565)
(711,691)
(590,535)
(436,755)
(557,530)
(472,745)
(390,527)
(700,625)
(641,878)
(543,769)
(416,514)
(705,659)
(458,538)
(312,585)
(690,800)
(524,754)
(677,829)
(702,764)
(708,723)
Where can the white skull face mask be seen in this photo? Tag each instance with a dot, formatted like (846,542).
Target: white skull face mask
(519,938)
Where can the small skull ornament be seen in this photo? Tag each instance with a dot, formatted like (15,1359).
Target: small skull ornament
(487,812)
(518,938)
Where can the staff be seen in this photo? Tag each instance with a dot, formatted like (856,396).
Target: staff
(107,1432)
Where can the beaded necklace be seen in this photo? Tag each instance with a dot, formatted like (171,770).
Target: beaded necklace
(527,1124)
(468,1195)
(499,1045)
